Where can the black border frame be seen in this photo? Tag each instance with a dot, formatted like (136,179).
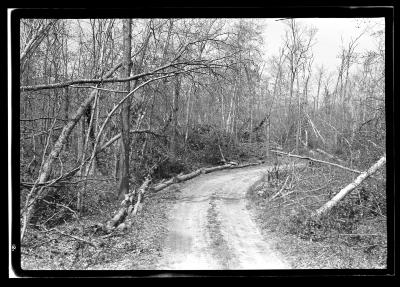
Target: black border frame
(202,11)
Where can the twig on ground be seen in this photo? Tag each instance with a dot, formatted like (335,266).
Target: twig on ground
(69,235)
(279,192)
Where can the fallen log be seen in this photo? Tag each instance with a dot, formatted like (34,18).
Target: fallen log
(122,219)
(141,193)
(317,160)
(163,185)
(342,193)
(189,175)
(127,209)
(315,130)
(132,210)
(184,177)
(215,168)
(329,155)
(247,164)
(117,219)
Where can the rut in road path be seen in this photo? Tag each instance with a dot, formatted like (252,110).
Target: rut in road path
(211,228)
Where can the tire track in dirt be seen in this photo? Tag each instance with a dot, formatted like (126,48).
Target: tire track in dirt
(211,228)
(221,250)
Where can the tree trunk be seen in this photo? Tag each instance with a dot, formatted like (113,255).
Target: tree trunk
(37,192)
(81,138)
(175,117)
(188,115)
(124,124)
(298,126)
(341,194)
(306,133)
(94,131)
(116,162)
(66,112)
(268,136)
(316,100)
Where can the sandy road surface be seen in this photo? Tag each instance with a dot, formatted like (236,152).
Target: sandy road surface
(210,227)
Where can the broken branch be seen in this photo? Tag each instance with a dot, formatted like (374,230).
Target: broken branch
(317,160)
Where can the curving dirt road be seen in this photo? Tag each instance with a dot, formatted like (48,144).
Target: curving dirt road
(210,227)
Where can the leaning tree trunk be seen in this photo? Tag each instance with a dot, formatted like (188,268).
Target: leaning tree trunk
(328,206)
(38,192)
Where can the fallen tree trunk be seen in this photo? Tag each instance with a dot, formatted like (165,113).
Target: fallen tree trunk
(44,174)
(215,168)
(163,185)
(315,130)
(141,193)
(38,193)
(328,206)
(317,160)
(122,219)
(247,164)
(134,209)
(127,209)
(329,155)
(184,177)
(188,176)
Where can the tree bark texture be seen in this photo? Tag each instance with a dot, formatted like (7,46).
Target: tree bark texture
(125,117)
(341,194)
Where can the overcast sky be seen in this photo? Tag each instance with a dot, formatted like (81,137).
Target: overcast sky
(328,36)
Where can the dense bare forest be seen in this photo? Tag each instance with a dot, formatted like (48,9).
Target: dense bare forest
(117,115)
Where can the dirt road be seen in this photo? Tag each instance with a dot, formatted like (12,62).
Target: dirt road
(210,227)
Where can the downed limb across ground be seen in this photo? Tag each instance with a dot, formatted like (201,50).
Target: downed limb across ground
(128,209)
(122,219)
(91,243)
(342,193)
(316,160)
(184,177)
(329,155)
